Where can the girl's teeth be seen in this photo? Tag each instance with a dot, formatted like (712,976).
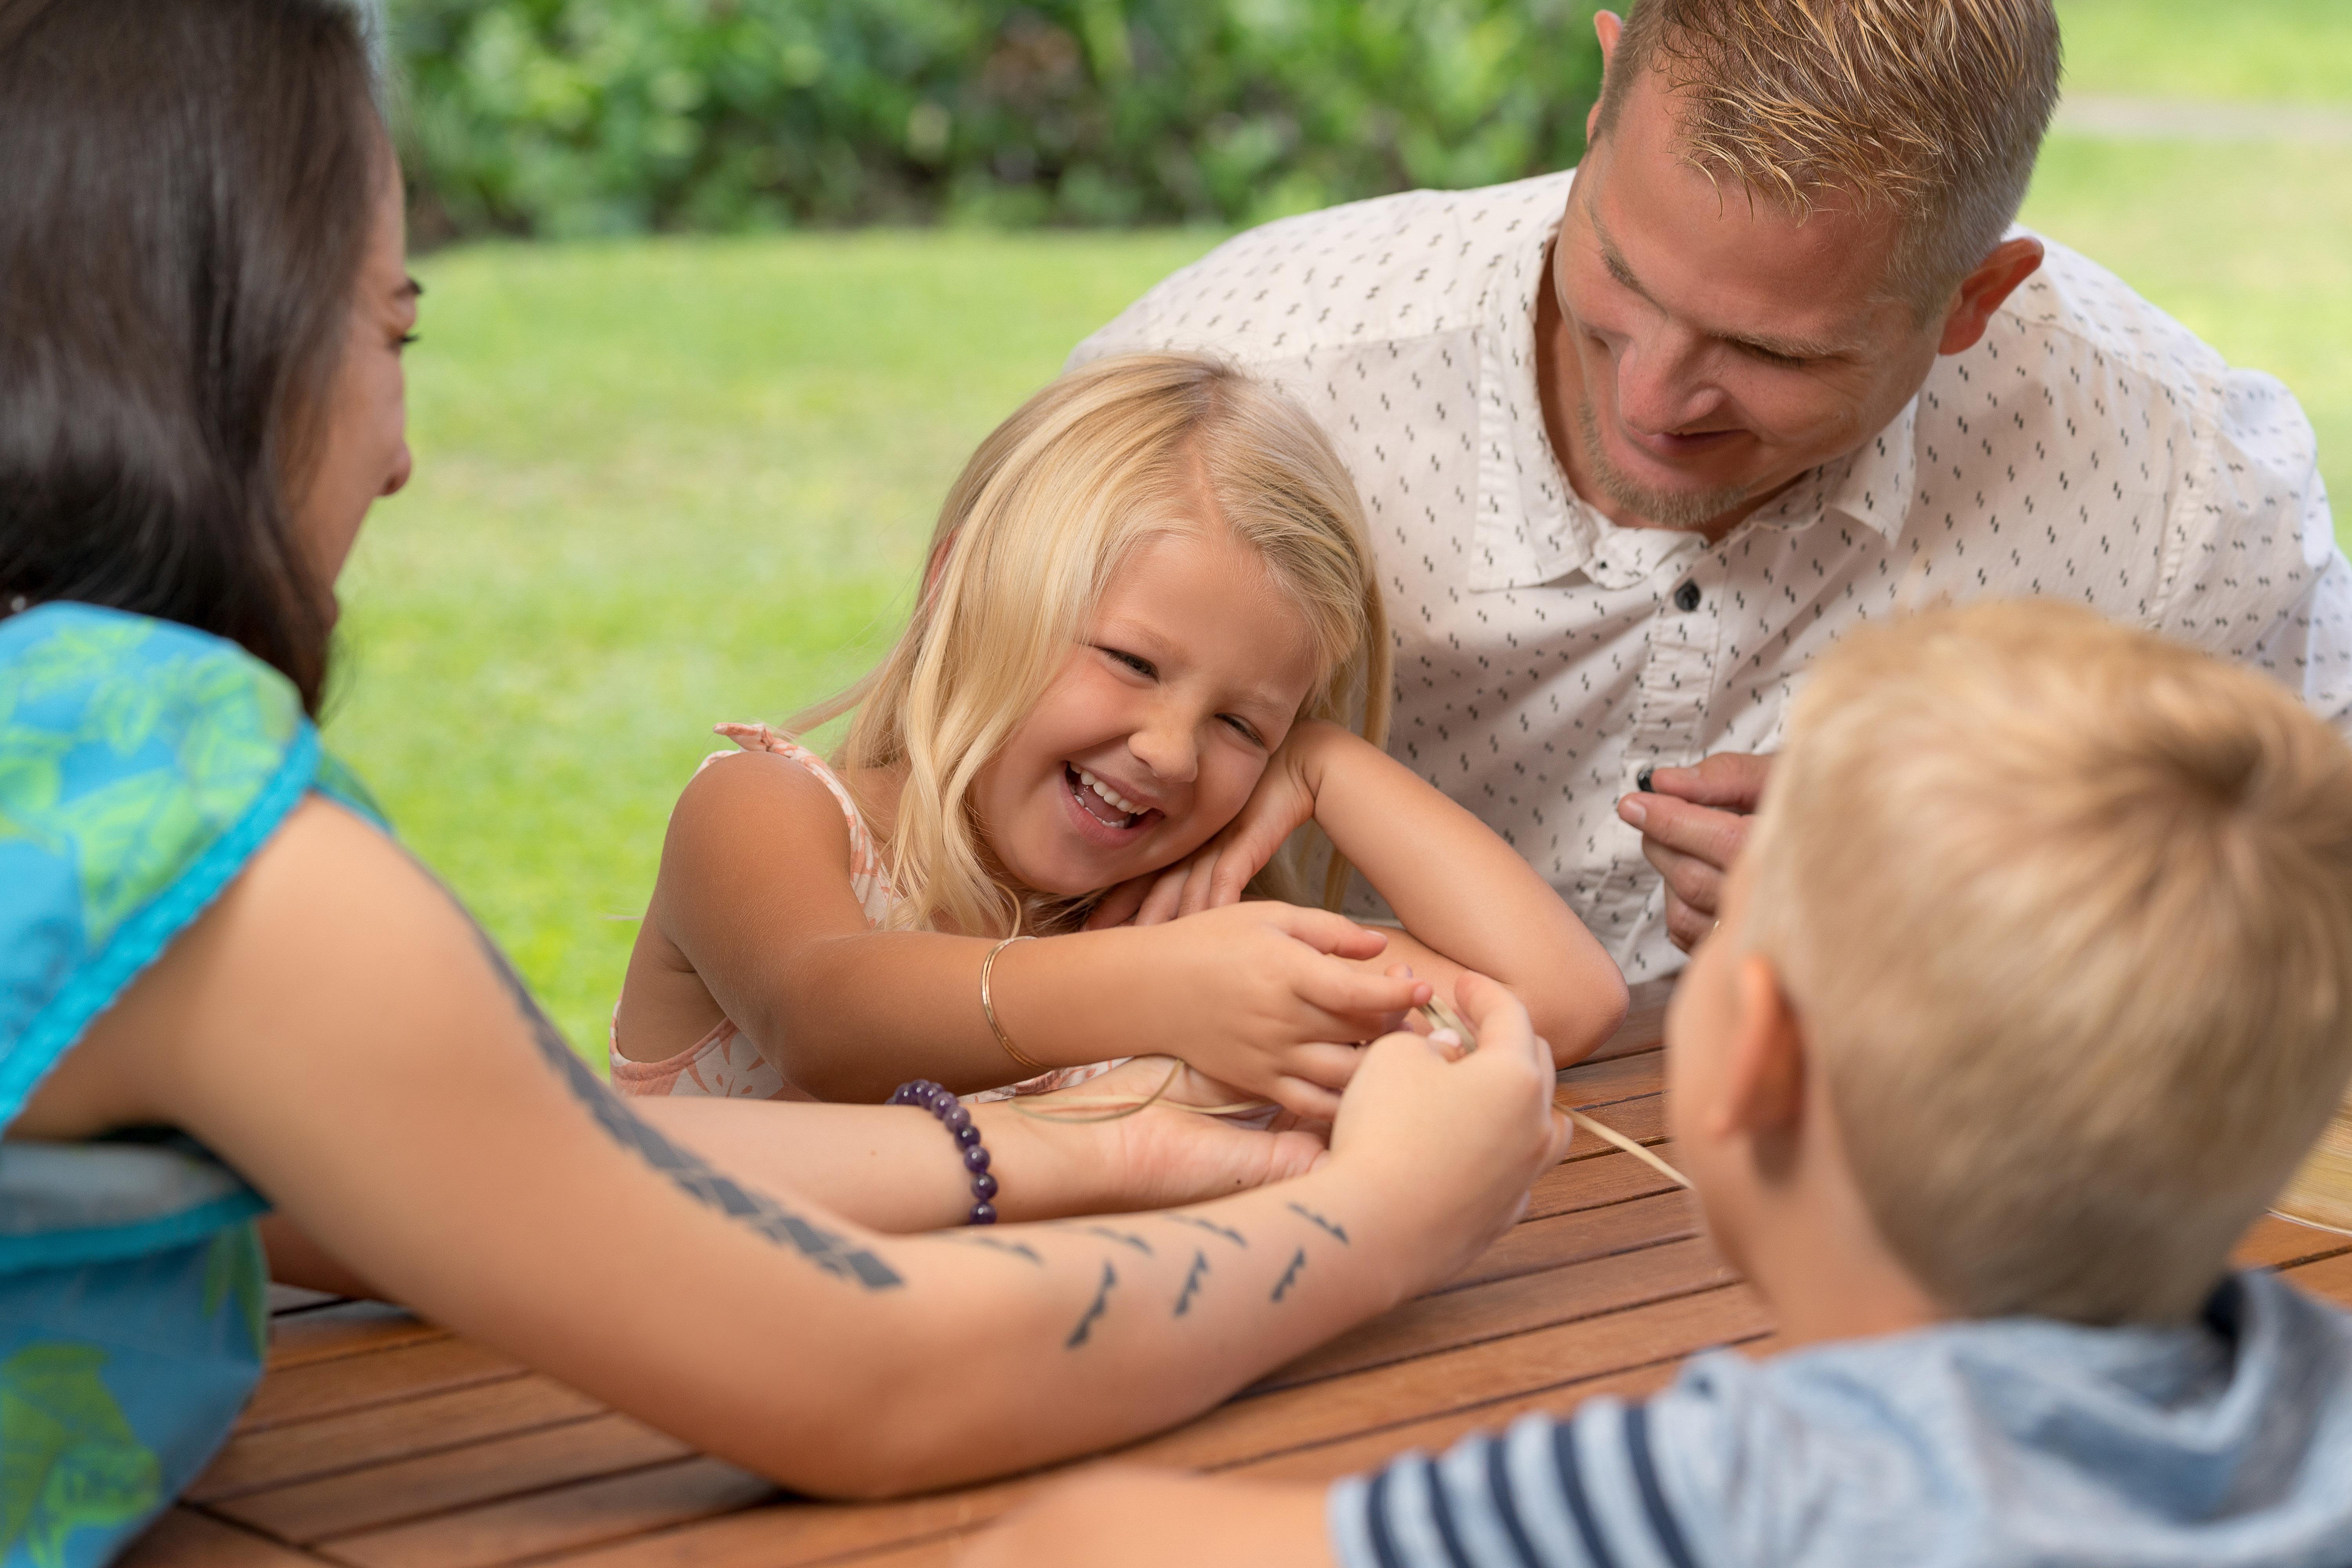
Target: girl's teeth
(1108,794)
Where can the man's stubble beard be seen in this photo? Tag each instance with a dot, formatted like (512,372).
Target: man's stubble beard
(1681,512)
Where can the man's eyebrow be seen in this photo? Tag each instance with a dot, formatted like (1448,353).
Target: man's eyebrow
(1763,343)
(410,288)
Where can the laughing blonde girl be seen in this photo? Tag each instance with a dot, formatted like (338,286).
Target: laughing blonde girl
(1148,648)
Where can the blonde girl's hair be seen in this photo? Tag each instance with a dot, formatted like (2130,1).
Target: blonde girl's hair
(1098,464)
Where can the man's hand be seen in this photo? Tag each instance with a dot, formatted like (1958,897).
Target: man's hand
(1693,823)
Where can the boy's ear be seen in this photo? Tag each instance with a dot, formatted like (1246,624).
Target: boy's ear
(1764,1071)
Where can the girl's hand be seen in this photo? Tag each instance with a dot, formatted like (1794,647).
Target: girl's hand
(1215,875)
(1264,996)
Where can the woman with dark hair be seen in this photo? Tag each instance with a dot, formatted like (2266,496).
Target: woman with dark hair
(222,987)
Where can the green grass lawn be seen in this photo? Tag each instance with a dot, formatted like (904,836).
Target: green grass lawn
(665,483)
(2281,50)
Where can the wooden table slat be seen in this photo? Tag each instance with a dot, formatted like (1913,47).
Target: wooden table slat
(1622,1077)
(342,1328)
(186,1537)
(1590,1178)
(377,1377)
(391,1433)
(580,1514)
(2279,1243)
(1474,1375)
(1353,1456)
(1507,1308)
(407,1490)
(2330,1279)
(1557,1240)
(1643,1119)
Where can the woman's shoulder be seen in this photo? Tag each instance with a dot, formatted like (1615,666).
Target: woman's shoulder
(141,764)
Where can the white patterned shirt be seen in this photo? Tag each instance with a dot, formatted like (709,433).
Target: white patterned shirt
(2089,448)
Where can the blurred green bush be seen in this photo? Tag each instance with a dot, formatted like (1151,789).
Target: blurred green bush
(566,118)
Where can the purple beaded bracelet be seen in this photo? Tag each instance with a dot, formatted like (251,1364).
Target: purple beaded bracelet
(934,1098)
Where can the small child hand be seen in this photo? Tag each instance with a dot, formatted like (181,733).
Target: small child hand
(1453,1143)
(1262,995)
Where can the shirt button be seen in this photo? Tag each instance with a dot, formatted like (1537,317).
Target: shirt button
(1686,597)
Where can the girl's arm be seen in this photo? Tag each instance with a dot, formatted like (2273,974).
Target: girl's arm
(752,920)
(340,1032)
(1467,900)
(894,1173)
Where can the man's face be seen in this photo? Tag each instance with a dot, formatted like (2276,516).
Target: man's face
(1719,347)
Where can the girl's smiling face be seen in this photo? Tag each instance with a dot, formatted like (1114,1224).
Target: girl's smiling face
(1158,725)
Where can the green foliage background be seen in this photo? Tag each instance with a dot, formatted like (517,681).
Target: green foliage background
(566,118)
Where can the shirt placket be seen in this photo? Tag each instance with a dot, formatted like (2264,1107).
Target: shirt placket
(1666,729)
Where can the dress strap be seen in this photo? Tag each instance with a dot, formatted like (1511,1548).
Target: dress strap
(869,878)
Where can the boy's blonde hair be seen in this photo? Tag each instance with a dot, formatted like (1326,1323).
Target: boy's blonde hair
(1098,464)
(2067,913)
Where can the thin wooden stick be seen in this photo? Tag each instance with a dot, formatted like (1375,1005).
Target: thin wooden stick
(2316,1225)
(1611,1135)
(1445,1017)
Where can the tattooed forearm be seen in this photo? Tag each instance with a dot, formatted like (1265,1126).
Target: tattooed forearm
(1289,1275)
(1191,1283)
(684,1170)
(1125,1238)
(1102,1305)
(1317,1220)
(1177,1216)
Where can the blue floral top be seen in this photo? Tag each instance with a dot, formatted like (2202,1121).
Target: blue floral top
(141,765)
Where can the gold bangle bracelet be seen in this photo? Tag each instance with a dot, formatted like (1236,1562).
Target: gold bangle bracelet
(988,1006)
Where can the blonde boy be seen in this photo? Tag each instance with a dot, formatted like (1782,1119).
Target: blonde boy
(2032,987)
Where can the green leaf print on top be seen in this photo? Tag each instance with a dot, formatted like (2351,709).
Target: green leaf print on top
(67,1458)
(213,722)
(238,1272)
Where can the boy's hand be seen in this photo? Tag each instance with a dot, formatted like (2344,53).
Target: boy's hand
(1452,1145)
(1215,875)
(1262,995)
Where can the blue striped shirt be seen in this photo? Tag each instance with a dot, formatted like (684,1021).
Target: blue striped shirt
(2222,1443)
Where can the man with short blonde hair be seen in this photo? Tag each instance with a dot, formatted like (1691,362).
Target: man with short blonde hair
(1640,441)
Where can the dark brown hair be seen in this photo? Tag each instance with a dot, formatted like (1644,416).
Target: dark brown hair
(186,205)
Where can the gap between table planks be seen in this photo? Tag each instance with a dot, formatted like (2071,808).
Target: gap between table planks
(379,1441)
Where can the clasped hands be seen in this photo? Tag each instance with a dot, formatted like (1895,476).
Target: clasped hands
(1291,996)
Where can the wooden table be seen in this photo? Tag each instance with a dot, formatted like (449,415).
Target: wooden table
(379,1441)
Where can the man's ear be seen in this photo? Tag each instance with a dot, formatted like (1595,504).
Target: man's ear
(1606,25)
(1763,1089)
(1984,290)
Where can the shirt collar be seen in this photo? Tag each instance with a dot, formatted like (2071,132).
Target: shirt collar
(1531,526)
(1872,484)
